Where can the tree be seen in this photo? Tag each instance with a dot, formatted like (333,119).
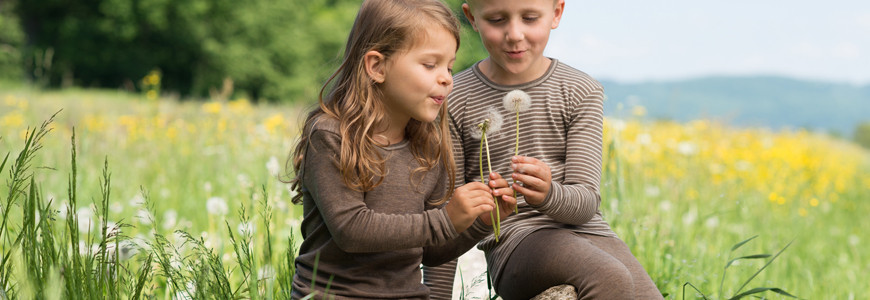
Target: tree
(862,134)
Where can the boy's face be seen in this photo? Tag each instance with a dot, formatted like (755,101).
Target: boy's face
(515,33)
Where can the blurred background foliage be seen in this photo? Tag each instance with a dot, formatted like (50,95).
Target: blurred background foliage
(276,51)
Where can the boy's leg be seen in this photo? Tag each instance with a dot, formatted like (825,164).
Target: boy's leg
(440,280)
(552,257)
(644,287)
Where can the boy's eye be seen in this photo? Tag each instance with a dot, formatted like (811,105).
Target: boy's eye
(530,19)
(495,20)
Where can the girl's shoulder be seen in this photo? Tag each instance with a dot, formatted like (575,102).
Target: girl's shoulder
(324,122)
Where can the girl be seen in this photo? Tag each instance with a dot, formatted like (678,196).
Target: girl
(374,164)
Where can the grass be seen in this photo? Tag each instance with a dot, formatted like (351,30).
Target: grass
(142,172)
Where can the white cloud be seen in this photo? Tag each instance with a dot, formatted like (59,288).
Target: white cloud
(846,51)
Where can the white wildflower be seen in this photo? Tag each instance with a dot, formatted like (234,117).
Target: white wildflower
(144,217)
(644,139)
(246,228)
(665,205)
(116,207)
(137,200)
(84,216)
(517,101)
(217,206)
(266,272)
(652,191)
(687,148)
(618,125)
(169,219)
(712,222)
(207,187)
(244,181)
(63,212)
(273,166)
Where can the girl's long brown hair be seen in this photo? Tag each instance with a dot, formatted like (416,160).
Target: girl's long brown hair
(386,26)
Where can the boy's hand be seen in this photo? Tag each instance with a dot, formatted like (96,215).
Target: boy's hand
(532,178)
(501,191)
(469,201)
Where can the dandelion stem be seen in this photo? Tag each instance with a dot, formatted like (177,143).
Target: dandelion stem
(483,141)
(517,148)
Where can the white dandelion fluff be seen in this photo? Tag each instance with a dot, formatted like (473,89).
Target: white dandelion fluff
(170,218)
(273,166)
(246,228)
(517,101)
(495,123)
(217,206)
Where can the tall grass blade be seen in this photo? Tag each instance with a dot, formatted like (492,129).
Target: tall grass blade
(761,290)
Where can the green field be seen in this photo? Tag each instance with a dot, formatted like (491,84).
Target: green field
(680,195)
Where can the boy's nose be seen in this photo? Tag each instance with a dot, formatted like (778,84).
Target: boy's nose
(514,32)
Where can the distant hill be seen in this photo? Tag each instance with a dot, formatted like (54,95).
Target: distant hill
(765,101)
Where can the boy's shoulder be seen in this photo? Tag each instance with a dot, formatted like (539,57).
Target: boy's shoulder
(572,78)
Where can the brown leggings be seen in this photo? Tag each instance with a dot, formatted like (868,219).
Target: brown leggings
(598,267)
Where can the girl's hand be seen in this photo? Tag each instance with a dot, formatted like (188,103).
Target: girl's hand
(535,177)
(469,201)
(504,193)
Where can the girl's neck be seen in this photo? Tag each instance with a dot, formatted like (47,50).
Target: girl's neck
(394,131)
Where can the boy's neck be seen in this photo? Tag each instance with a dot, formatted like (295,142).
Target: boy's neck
(499,75)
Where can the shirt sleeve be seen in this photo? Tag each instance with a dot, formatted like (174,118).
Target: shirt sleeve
(439,277)
(576,200)
(353,226)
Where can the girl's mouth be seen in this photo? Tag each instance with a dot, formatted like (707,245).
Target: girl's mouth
(438,99)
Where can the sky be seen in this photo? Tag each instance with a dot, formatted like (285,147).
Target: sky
(637,40)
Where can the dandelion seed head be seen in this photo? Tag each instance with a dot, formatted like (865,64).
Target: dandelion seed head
(273,166)
(144,217)
(216,206)
(170,217)
(495,121)
(517,101)
(246,228)
(137,200)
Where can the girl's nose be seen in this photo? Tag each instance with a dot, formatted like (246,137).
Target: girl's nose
(445,79)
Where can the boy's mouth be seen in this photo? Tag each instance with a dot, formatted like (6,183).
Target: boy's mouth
(515,54)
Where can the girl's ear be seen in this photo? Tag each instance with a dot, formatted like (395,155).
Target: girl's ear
(375,64)
(469,15)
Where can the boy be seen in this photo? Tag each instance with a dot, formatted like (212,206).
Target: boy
(559,235)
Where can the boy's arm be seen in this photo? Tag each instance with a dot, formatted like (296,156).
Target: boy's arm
(440,278)
(576,200)
(353,226)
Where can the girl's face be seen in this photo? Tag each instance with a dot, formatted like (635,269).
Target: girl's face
(417,80)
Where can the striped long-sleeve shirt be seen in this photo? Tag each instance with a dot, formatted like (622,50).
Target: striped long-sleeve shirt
(563,127)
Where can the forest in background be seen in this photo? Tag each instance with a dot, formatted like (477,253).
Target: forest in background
(275,51)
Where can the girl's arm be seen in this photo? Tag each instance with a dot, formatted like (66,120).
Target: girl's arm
(354,227)
(439,277)
(441,254)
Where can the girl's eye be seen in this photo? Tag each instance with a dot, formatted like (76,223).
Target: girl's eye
(429,66)
(450,70)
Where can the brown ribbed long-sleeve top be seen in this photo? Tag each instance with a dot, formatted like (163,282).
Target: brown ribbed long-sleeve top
(372,243)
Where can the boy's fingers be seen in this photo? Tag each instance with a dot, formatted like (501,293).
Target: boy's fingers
(529,181)
(525,191)
(502,191)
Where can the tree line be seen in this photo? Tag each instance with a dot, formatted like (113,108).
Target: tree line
(279,51)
